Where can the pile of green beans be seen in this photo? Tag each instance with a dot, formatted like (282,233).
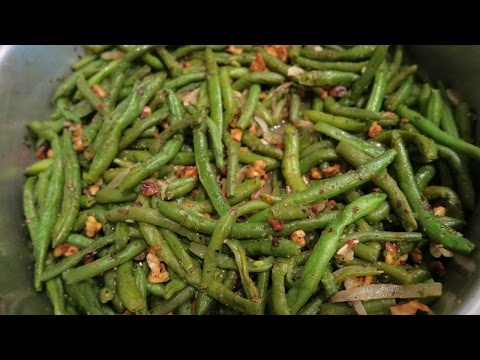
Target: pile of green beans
(199,179)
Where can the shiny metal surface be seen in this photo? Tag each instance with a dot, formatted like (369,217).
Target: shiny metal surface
(28,76)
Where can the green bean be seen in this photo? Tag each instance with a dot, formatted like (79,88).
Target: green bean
(70,261)
(205,171)
(462,176)
(428,148)
(220,233)
(180,187)
(312,159)
(236,72)
(227,263)
(325,249)
(447,121)
(173,287)
(452,202)
(249,109)
(147,168)
(168,133)
(248,157)
(214,90)
(356,53)
(233,149)
(66,110)
(187,49)
(326,78)
(170,305)
(329,284)
(109,278)
(451,222)
(134,132)
(379,214)
(128,290)
(262,284)
(429,225)
(31,214)
(400,96)
(241,260)
(96,267)
(380,306)
(41,188)
(80,241)
(424,175)
(256,145)
(343,123)
(134,106)
(184,80)
(399,77)
(38,167)
(464,122)
(283,248)
(324,144)
(383,118)
(373,236)
(423,98)
(121,236)
(50,211)
(216,141)
(71,192)
(435,107)
(354,67)
(257,78)
(290,161)
(286,213)
(89,95)
(367,76)
(114,196)
(279,305)
(228,99)
(84,295)
(328,188)
(70,83)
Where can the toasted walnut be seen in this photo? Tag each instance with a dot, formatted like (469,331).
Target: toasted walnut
(92,226)
(298,237)
(77,132)
(416,256)
(112,55)
(367,280)
(315,174)
(146,112)
(253,129)
(93,189)
(65,250)
(236,134)
(50,154)
(158,271)
(374,130)
(149,188)
(234,50)
(258,65)
(279,51)
(257,168)
(437,250)
(41,152)
(186,171)
(97,89)
(277,225)
(410,308)
(439,211)
(345,253)
(323,94)
(331,171)
(392,255)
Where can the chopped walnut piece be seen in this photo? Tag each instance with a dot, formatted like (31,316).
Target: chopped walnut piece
(315,174)
(186,171)
(236,134)
(257,168)
(158,271)
(374,130)
(258,65)
(439,211)
(331,171)
(93,189)
(92,226)
(50,154)
(277,225)
(410,308)
(416,256)
(298,237)
(99,91)
(234,50)
(65,250)
(149,188)
(146,112)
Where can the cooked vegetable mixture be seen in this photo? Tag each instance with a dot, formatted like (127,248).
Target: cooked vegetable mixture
(243,179)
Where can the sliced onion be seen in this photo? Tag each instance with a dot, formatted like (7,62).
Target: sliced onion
(118,179)
(388,291)
(454,97)
(349,283)
(465,262)
(295,70)
(241,173)
(308,125)
(190,98)
(263,125)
